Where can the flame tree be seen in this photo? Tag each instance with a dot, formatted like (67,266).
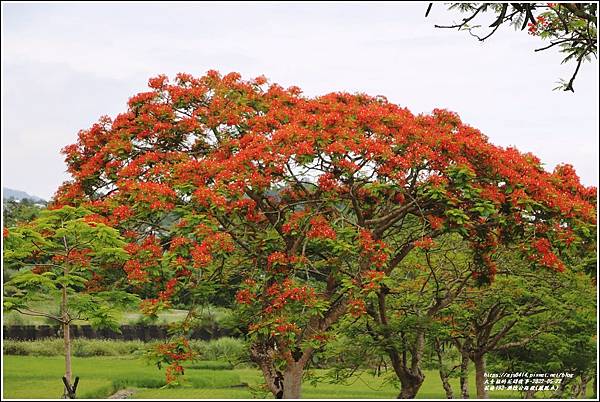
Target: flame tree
(307,200)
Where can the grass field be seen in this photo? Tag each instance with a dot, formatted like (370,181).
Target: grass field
(39,378)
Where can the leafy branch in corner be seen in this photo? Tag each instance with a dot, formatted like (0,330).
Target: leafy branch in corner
(571,27)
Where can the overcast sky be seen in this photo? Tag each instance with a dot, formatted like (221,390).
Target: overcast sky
(65,65)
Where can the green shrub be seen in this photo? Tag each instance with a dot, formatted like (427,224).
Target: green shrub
(16,348)
(227,349)
(126,348)
(106,347)
(94,348)
(231,350)
(199,347)
(43,347)
(48,347)
(80,347)
(210,365)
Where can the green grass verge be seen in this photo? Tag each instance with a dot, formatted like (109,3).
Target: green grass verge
(39,377)
(29,377)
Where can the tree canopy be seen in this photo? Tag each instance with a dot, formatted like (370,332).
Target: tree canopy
(307,203)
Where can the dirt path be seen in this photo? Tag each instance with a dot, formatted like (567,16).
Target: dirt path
(122,394)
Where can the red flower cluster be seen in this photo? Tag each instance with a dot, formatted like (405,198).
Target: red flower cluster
(327,182)
(435,222)
(356,308)
(294,221)
(201,255)
(173,354)
(373,249)
(150,306)
(178,242)
(244,296)
(320,229)
(121,213)
(219,242)
(426,243)
(280,295)
(541,24)
(75,257)
(545,256)
(276,260)
(94,219)
(285,328)
(143,257)
(166,294)
(373,280)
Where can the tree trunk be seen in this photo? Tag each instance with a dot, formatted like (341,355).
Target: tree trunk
(261,354)
(479,361)
(411,377)
(561,389)
(286,385)
(464,376)
(410,380)
(576,390)
(67,341)
(446,384)
(292,381)
(409,389)
(408,392)
(410,383)
(442,370)
(66,338)
(584,382)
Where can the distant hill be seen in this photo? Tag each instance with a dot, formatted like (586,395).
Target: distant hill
(9,193)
